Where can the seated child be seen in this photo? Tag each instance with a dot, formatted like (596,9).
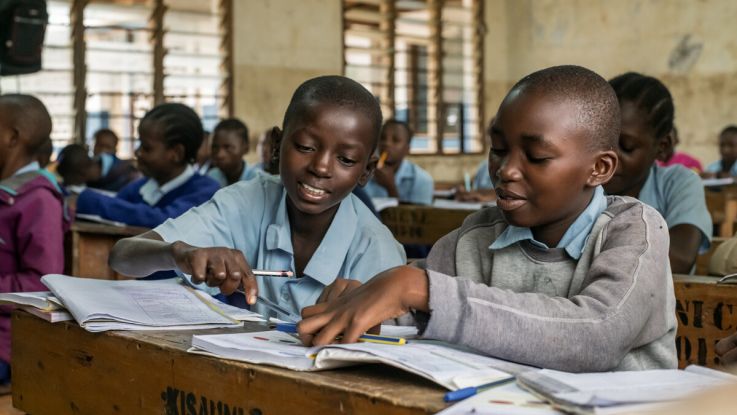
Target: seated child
(671,156)
(170,136)
(32,219)
(556,275)
(676,192)
(229,145)
(105,171)
(726,167)
(306,220)
(106,142)
(398,177)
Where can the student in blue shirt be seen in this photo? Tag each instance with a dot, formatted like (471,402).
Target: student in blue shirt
(399,177)
(305,220)
(725,166)
(229,145)
(675,191)
(170,136)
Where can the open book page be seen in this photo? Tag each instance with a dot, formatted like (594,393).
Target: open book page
(458,205)
(42,300)
(507,399)
(100,305)
(448,367)
(381,203)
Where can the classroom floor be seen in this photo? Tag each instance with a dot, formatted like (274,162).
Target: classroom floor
(6,406)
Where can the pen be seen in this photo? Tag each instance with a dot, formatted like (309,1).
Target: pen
(464,393)
(264,273)
(274,307)
(291,328)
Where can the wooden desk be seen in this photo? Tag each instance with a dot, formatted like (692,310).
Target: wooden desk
(722,205)
(62,369)
(87,247)
(705,312)
(424,225)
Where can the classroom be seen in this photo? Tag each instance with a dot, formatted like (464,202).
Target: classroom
(368,206)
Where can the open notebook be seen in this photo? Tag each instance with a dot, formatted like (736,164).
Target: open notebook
(439,363)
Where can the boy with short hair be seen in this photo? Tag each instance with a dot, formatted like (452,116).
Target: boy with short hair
(229,145)
(105,142)
(726,166)
(557,275)
(306,220)
(32,217)
(399,177)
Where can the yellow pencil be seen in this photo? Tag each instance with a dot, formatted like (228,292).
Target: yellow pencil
(382,160)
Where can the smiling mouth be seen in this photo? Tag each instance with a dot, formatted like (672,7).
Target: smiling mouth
(312,192)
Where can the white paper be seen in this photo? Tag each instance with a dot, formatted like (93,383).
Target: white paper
(100,305)
(717,182)
(507,399)
(458,205)
(381,203)
(99,219)
(43,300)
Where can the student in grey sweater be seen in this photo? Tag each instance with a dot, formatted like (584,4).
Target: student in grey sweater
(556,275)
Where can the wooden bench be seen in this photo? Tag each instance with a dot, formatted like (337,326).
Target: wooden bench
(423,225)
(87,247)
(62,369)
(705,312)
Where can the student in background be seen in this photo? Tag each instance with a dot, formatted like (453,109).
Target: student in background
(556,275)
(104,172)
(399,177)
(106,142)
(32,218)
(726,167)
(229,146)
(203,162)
(170,136)
(305,220)
(676,192)
(671,157)
(264,149)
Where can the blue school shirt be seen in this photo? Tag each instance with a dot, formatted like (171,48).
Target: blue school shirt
(145,203)
(248,173)
(482,180)
(573,241)
(716,167)
(251,216)
(678,194)
(414,185)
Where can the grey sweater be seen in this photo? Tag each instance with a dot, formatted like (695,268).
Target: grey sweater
(613,309)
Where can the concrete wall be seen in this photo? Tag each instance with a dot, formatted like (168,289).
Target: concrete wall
(691,45)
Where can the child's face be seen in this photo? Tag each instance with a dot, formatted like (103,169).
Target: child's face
(540,163)
(395,141)
(228,149)
(104,143)
(728,147)
(324,155)
(155,158)
(637,150)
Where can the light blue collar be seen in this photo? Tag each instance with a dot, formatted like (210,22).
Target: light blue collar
(405,171)
(106,163)
(32,166)
(573,241)
(326,262)
(151,192)
(649,192)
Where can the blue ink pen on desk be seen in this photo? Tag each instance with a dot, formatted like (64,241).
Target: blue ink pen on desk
(464,393)
(291,328)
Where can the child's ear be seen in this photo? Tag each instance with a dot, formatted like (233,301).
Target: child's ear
(368,172)
(604,168)
(178,153)
(664,146)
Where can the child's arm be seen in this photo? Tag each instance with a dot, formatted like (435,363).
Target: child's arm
(726,349)
(626,301)
(218,267)
(386,178)
(685,240)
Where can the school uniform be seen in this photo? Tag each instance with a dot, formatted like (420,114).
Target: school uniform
(32,226)
(716,167)
(114,173)
(683,159)
(678,194)
(414,185)
(482,179)
(601,300)
(248,173)
(146,203)
(251,216)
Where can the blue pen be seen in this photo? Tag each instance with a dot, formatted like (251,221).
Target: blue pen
(464,393)
(291,328)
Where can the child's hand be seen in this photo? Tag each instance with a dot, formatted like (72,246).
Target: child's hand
(217,267)
(388,295)
(339,287)
(726,349)
(384,176)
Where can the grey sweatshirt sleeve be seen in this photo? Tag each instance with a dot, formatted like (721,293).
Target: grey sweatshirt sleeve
(621,306)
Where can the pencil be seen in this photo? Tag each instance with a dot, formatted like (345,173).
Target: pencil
(382,160)
(291,328)
(265,273)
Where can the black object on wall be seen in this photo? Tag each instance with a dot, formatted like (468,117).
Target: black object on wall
(22,31)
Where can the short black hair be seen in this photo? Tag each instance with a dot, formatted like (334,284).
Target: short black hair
(597,106)
(649,95)
(29,114)
(72,159)
(336,90)
(730,129)
(407,128)
(105,131)
(180,125)
(235,125)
